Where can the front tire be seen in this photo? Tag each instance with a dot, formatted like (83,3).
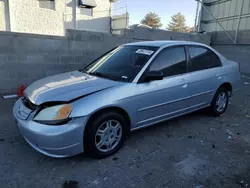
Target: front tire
(105,134)
(220,102)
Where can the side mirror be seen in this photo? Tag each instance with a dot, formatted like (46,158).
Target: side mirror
(153,75)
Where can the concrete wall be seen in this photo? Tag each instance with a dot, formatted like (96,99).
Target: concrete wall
(28,17)
(120,22)
(25,58)
(220,37)
(95,24)
(238,53)
(157,34)
(97,19)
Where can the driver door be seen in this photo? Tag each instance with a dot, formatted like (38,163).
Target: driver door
(162,99)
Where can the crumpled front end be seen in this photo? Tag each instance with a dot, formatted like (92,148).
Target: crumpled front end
(52,140)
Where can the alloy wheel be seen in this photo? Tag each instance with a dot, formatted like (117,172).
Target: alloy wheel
(108,135)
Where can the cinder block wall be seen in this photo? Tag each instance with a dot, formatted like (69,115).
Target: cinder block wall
(25,58)
(238,53)
(220,37)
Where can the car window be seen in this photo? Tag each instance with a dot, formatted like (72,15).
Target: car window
(202,58)
(171,61)
(122,63)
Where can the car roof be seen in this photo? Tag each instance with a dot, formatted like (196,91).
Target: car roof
(162,43)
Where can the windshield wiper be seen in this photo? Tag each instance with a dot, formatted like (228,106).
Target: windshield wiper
(98,74)
(83,70)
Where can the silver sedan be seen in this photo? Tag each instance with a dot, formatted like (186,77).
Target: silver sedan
(130,87)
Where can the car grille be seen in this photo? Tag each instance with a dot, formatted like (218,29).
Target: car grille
(29,104)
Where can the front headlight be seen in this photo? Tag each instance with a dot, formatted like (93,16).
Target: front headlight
(54,114)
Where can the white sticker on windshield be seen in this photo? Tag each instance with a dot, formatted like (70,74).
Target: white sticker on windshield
(145,52)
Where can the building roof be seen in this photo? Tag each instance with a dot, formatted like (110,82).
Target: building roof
(161,43)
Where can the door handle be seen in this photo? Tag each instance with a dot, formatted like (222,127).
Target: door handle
(218,76)
(183,81)
(184,86)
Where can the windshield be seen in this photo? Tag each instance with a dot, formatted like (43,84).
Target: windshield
(121,64)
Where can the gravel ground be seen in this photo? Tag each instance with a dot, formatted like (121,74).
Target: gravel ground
(191,151)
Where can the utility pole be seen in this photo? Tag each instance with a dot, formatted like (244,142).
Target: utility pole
(74,13)
(110,16)
(196,17)
(5,8)
(127,17)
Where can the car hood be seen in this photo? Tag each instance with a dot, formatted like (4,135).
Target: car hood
(66,87)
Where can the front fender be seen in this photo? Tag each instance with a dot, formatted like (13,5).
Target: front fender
(87,107)
(121,97)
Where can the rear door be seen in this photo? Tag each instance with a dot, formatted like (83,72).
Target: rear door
(205,75)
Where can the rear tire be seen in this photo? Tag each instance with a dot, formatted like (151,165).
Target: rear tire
(105,134)
(220,102)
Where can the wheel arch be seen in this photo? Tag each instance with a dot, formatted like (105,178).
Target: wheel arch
(88,148)
(108,109)
(227,86)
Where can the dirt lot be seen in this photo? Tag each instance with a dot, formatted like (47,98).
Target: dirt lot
(191,151)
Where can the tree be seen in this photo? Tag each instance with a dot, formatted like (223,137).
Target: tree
(152,20)
(190,29)
(178,23)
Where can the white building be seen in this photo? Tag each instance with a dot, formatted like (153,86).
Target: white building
(52,17)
